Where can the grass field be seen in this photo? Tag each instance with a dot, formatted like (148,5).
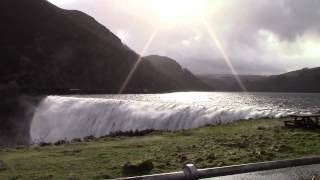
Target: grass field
(158,152)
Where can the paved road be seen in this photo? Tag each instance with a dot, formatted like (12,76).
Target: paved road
(297,173)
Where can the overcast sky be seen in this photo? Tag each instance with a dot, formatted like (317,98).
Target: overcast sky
(257,36)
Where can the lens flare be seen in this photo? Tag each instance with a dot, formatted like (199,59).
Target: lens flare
(224,54)
(172,9)
(136,65)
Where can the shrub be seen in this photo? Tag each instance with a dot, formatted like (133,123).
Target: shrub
(42,144)
(89,138)
(261,128)
(60,142)
(76,140)
(137,168)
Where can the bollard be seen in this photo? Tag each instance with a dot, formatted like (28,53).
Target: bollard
(191,172)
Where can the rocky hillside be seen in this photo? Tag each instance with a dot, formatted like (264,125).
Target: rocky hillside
(182,77)
(45,48)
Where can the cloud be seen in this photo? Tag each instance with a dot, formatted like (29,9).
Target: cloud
(259,36)
(290,19)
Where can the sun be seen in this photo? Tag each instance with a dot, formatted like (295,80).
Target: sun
(173,10)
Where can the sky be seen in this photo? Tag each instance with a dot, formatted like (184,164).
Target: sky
(215,36)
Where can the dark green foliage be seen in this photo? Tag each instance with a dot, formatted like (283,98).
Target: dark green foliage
(137,168)
(89,138)
(75,140)
(60,142)
(42,144)
(131,133)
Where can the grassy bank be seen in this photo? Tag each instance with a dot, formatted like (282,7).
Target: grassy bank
(242,142)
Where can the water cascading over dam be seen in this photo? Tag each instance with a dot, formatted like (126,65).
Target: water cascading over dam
(65,118)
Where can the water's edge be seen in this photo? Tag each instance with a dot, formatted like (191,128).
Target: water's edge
(65,118)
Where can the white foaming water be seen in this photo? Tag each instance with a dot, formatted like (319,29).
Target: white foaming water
(65,117)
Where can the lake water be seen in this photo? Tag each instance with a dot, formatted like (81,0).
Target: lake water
(78,116)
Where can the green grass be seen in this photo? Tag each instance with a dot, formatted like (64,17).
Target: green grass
(105,158)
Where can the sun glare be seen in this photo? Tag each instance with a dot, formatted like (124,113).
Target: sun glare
(185,97)
(173,10)
(178,10)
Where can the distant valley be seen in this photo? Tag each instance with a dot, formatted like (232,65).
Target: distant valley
(304,80)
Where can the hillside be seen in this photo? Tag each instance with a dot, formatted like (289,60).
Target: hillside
(48,49)
(304,80)
(227,82)
(182,77)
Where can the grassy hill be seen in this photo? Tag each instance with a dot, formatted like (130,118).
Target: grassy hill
(159,152)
